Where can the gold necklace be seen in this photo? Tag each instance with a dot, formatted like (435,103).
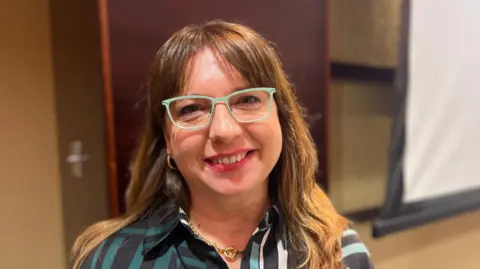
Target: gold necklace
(229,252)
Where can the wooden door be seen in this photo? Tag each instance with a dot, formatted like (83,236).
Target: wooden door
(136,29)
(79,113)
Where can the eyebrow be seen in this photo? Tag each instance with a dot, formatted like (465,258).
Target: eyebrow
(236,89)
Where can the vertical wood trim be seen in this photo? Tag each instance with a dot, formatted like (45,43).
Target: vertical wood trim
(109,106)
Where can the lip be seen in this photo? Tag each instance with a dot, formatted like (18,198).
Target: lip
(221,168)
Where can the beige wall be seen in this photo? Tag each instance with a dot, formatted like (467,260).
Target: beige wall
(359,129)
(30,208)
(369,26)
(358,138)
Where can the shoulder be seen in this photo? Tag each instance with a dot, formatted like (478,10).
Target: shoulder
(119,248)
(355,254)
(128,245)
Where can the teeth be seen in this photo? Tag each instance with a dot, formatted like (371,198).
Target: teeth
(230,159)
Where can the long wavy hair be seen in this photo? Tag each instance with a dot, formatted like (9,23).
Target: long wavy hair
(313,226)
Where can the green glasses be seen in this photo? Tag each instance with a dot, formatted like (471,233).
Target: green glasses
(195,111)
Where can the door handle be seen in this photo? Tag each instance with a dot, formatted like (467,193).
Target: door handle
(77,159)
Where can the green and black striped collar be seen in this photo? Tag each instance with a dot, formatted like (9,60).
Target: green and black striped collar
(159,227)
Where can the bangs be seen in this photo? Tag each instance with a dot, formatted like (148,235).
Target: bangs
(237,52)
(248,53)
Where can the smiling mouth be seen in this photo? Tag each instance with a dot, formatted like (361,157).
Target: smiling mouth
(230,159)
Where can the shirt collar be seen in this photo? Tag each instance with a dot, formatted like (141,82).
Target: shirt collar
(160,226)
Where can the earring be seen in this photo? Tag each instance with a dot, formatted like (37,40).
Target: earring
(169,164)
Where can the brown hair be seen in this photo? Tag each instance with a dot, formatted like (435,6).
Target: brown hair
(313,226)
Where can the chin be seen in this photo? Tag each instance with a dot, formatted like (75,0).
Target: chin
(235,187)
(230,192)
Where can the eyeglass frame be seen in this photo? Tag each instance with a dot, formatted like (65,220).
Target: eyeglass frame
(217,100)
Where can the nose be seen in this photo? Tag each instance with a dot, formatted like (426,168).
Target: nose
(223,128)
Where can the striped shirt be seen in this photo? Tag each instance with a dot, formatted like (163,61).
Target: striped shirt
(168,243)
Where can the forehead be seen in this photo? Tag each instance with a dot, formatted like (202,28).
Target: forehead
(212,75)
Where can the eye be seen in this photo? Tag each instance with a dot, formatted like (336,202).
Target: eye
(249,99)
(188,109)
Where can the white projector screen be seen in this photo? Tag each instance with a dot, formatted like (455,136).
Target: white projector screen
(435,147)
(442,148)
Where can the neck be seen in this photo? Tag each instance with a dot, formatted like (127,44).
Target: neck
(228,220)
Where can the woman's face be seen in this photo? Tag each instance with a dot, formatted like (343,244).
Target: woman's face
(201,155)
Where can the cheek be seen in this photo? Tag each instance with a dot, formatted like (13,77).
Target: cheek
(273,141)
(277,133)
(183,144)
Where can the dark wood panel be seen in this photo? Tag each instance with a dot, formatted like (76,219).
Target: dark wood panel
(363,73)
(137,29)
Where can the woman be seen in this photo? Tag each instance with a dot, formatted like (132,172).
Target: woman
(224,176)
